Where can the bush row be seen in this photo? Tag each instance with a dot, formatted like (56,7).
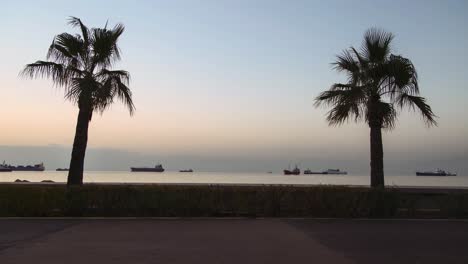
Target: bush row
(214,200)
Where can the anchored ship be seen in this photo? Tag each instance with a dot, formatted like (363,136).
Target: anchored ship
(329,171)
(62,169)
(295,171)
(157,168)
(335,171)
(4,169)
(438,172)
(308,171)
(36,167)
(189,170)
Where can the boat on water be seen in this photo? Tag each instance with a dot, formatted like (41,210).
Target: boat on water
(189,170)
(329,171)
(308,171)
(36,167)
(157,168)
(4,169)
(62,169)
(295,171)
(335,171)
(438,172)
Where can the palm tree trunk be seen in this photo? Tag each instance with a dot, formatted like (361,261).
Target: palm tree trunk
(75,174)
(376,156)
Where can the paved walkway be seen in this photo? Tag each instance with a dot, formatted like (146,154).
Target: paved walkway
(232,241)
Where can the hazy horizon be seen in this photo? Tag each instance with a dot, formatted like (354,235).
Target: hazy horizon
(107,159)
(223,85)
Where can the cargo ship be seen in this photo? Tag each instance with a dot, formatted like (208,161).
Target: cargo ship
(329,171)
(4,169)
(36,167)
(438,172)
(189,170)
(335,171)
(308,171)
(295,171)
(157,168)
(62,169)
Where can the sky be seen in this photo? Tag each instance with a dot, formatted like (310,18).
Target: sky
(230,85)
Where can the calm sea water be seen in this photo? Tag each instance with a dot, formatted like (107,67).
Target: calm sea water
(233,178)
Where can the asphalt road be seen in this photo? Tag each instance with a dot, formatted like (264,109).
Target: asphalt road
(232,241)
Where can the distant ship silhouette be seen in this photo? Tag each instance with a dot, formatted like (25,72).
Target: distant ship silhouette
(157,168)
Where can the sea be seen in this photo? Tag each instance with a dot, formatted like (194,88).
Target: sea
(244,178)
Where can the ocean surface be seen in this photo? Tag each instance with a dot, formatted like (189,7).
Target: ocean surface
(235,178)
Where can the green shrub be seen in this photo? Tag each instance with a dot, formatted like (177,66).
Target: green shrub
(44,200)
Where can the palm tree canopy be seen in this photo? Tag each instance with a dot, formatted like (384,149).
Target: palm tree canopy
(379,84)
(82,64)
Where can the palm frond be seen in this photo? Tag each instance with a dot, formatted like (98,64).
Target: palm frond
(112,87)
(59,74)
(401,75)
(377,45)
(76,22)
(74,90)
(339,92)
(348,64)
(104,96)
(105,74)
(345,62)
(106,50)
(82,90)
(360,58)
(83,66)
(388,115)
(417,103)
(343,112)
(66,45)
(374,74)
(118,30)
(346,101)
(125,95)
(58,52)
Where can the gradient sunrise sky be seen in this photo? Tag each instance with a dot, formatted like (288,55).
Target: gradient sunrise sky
(238,78)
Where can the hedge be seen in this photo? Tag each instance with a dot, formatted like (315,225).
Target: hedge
(99,200)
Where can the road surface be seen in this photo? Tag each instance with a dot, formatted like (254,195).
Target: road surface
(232,241)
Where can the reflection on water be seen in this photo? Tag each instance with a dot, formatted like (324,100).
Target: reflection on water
(232,178)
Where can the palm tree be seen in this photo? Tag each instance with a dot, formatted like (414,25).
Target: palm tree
(378,85)
(82,65)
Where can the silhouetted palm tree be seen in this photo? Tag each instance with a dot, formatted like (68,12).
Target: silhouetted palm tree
(379,83)
(82,65)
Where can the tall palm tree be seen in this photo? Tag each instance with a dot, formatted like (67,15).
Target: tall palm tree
(378,85)
(82,65)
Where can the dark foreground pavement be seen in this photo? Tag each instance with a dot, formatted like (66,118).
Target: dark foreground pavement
(232,241)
